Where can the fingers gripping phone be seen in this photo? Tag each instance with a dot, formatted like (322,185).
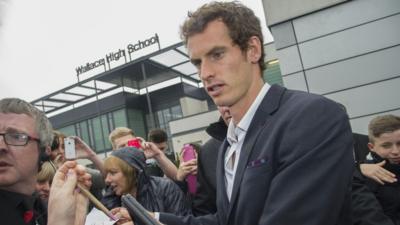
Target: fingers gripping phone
(70,152)
(189,153)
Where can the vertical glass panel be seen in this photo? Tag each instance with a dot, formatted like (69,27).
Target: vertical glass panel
(78,129)
(91,135)
(68,130)
(110,121)
(167,115)
(272,74)
(120,118)
(106,131)
(136,122)
(176,112)
(85,133)
(149,123)
(98,138)
(160,117)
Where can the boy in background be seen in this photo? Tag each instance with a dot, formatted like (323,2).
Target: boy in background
(384,145)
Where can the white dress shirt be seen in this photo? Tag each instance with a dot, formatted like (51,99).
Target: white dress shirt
(235,136)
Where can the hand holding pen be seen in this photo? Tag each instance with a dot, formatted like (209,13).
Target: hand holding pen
(67,205)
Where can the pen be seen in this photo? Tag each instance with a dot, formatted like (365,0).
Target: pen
(96,202)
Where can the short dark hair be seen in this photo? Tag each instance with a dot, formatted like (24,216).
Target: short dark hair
(382,124)
(157,135)
(240,20)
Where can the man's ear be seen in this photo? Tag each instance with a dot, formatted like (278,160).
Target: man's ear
(254,49)
(371,146)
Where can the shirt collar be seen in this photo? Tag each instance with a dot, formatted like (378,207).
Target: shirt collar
(245,121)
(243,125)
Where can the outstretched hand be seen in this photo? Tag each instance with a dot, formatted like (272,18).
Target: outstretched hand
(83,150)
(377,173)
(151,150)
(66,205)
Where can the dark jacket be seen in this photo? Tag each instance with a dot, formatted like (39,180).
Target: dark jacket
(204,202)
(14,208)
(366,210)
(388,195)
(156,194)
(295,142)
(361,150)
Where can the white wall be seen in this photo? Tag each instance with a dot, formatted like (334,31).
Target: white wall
(192,106)
(191,129)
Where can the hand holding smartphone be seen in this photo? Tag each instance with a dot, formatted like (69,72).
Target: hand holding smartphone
(70,152)
(189,153)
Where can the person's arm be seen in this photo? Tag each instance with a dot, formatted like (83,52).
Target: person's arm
(377,173)
(84,151)
(66,205)
(168,167)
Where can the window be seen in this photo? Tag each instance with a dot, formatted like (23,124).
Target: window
(68,130)
(272,73)
(97,134)
(176,112)
(84,132)
(106,131)
(162,121)
(120,118)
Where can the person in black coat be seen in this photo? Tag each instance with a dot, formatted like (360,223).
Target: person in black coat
(204,201)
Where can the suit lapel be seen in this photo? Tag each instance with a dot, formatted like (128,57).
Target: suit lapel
(222,198)
(268,106)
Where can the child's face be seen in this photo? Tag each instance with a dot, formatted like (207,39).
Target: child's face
(387,146)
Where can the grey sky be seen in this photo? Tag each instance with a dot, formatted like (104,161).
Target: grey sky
(43,41)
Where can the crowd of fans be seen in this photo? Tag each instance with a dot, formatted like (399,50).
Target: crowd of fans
(38,184)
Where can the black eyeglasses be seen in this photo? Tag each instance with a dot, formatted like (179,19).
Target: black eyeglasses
(17,139)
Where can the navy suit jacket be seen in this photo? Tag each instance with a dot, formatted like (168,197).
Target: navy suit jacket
(295,166)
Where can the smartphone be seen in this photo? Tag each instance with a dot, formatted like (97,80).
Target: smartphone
(70,152)
(136,142)
(188,152)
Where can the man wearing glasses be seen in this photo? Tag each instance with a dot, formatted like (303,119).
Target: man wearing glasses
(25,133)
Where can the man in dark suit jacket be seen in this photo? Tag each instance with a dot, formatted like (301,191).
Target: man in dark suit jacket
(288,154)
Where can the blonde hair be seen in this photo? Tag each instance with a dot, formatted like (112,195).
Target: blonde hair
(119,132)
(128,171)
(46,173)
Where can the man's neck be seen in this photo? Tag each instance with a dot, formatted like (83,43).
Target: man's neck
(241,107)
(25,189)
